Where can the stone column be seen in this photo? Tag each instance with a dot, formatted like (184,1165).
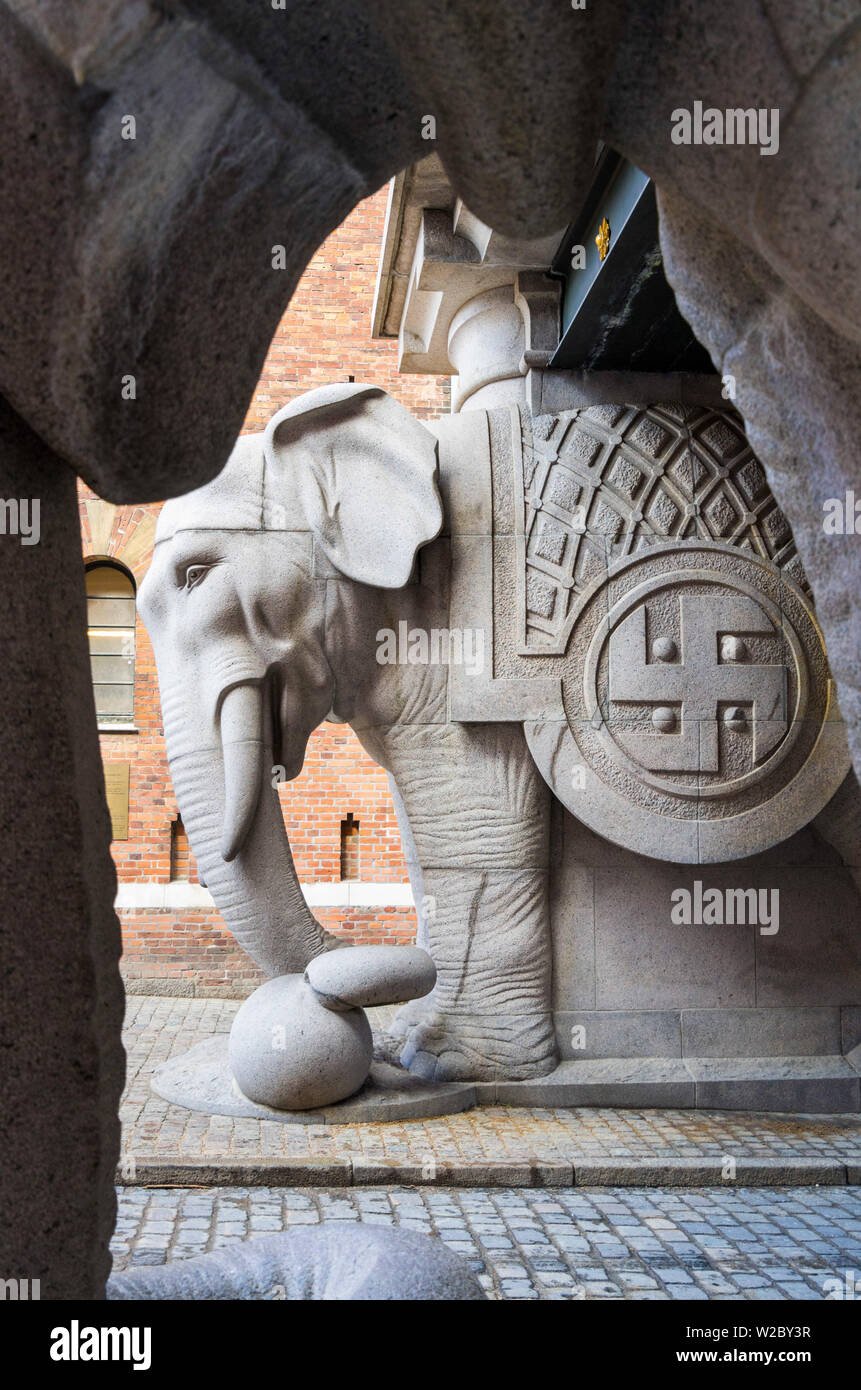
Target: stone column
(60,993)
(475,306)
(485,344)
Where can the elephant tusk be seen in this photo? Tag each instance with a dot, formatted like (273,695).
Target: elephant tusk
(242,746)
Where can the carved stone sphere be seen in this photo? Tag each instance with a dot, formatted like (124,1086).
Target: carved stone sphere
(288,1051)
(664,649)
(736,719)
(664,719)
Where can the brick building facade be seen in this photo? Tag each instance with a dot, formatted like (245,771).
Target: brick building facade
(338,812)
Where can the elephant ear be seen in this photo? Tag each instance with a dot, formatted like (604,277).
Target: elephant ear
(366,473)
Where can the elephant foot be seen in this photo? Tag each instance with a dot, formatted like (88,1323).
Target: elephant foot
(387,1049)
(406,1018)
(479,1047)
(388,1046)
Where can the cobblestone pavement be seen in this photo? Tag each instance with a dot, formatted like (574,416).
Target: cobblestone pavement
(156,1028)
(635,1243)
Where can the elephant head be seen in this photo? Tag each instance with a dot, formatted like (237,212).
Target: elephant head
(341,486)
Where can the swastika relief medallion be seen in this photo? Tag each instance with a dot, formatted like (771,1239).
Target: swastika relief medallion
(700,723)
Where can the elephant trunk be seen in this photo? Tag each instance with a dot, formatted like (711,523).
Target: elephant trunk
(233,818)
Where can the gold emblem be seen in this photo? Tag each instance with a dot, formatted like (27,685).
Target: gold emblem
(602,240)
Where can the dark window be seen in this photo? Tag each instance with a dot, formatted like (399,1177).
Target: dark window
(181,866)
(349,848)
(111,633)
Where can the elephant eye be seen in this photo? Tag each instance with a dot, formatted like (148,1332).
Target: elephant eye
(194,574)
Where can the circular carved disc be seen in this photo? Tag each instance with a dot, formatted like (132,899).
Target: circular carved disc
(700,720)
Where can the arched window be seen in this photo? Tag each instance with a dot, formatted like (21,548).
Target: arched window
(111,632)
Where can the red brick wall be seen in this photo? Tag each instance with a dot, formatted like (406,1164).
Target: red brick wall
(323,337)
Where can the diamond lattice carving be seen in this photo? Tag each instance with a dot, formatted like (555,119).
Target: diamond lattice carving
(603,482)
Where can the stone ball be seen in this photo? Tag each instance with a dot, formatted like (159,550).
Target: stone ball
(664,719)
(664,649)
(365,976)
(289,1052)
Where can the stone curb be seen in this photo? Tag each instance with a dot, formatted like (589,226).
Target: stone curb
(780,1171)
(586,1172)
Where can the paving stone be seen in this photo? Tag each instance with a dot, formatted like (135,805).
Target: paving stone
(538,1147)
(541,1238)
(563,1263)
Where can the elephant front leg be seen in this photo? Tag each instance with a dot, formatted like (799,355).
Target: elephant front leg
(479,813)
(488,1017)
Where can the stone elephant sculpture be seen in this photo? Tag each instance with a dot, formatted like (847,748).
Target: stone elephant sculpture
(475,602)
(283,154)
(273,598)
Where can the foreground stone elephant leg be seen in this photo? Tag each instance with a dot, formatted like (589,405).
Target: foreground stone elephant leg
(479,817)
(327,1264)
(62,999)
